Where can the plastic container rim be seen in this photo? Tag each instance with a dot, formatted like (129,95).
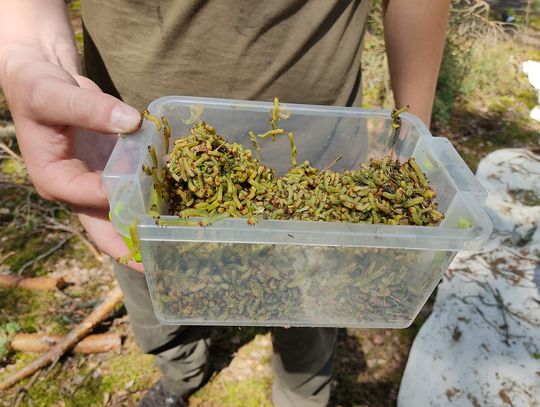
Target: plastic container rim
(312,232)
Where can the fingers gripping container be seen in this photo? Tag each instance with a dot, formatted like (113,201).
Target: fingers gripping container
(296,273)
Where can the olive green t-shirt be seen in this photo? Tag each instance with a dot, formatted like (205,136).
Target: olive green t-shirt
(300,51)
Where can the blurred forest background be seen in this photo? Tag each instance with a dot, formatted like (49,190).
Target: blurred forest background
(482,104)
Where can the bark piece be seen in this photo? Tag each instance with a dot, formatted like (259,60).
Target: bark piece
(32,283)
(40,343)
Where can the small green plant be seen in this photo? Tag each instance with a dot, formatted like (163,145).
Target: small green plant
(7,331)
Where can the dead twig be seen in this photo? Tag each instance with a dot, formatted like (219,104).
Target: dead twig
(502,329)
(332,164)
(59,226)
(505,337)
(99,313)
(43,255)
(519,256)
(6,256)
(9,151)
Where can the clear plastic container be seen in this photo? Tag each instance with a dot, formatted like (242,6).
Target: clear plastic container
(297,273)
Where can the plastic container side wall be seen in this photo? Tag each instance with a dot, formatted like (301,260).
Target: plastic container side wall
(277,285)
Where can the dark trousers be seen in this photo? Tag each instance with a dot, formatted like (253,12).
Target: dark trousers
(302,362)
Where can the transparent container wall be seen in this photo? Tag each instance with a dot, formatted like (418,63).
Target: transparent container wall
(297,273)
(290,285)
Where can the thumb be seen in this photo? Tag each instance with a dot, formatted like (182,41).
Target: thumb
(57,102)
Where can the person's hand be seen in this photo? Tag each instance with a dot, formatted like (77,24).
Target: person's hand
(94,150)
(48,105)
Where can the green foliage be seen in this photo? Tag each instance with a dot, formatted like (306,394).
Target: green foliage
(448,85)
(32,308)
(247,393)
(79,40)
(51,392)
(14,168)
(28,223)
(82,381)
(229,388)
(466,69)
(74,6)
(7,331)
(126,367)
(480,69)
(25,245)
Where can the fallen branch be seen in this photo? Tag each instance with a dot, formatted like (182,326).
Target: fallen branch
(68,342)
(32,283)
(40,343)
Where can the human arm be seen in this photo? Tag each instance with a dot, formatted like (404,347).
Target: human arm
(414,36)
(49,101)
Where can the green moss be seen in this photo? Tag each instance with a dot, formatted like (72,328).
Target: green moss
(449,83)
(7,331)
(528,97)
(226,389)
(29,323)
(33,310)
(502,104)
(25,249)
(74,6)
(20,360)
(60,385)
(19,301)
(62,324)
(247,393)
(532,54)
(46,392)
(121,369)
(51,390)
(534,22)
(79,40)
(23,234)
(89,394)
(22,231)
(14,169)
